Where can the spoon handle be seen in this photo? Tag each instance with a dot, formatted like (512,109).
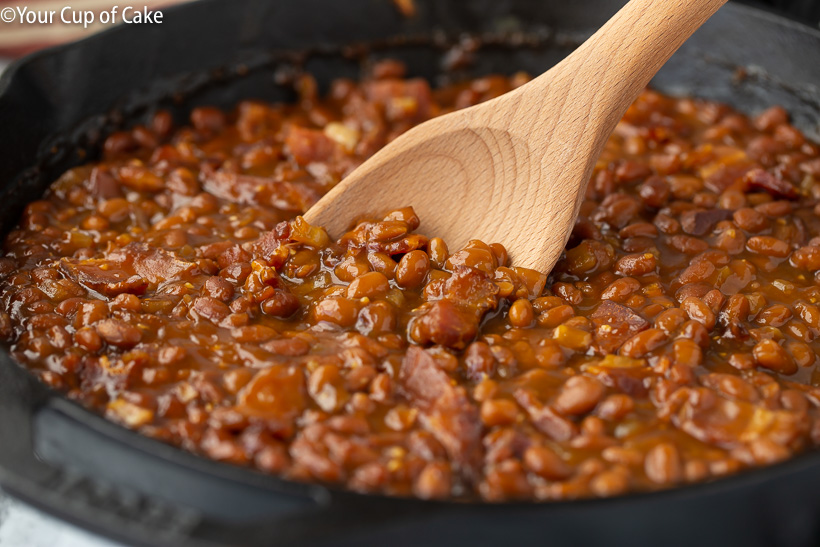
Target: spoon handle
(607,72)
(566,114)
(632,46)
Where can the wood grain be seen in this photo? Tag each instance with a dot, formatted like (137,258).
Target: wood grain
(513,170)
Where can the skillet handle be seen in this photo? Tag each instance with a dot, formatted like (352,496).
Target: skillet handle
(70,494)
(78,466)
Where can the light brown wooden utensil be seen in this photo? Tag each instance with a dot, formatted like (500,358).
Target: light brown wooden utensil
(513,170)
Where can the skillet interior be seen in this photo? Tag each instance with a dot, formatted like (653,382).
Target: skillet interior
(218,52)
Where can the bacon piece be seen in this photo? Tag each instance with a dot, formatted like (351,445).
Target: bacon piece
(402,99)
(309,145)
(763,180)
(444,322)
(103,276)
(459,304)
(446,411)
(102,184)
(543,417)
(699,223)
(728,424)
(270,246)
(154,264)
(276,394)
(615,325)
(253,190)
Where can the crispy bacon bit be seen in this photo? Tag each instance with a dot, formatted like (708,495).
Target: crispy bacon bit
(719,421)
(543,417)
(447,412)
(700,223)
(102,184)
(444,322)
(154,264)
(615,324)
(763,180)
(103,277)
(248,189)
(402,99)
(309,145)
(453,320)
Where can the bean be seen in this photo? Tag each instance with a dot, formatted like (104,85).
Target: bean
(615,406)
(211,308)
(340,311)
(383,263)
(687,353)
(697,272)
(770,118)
(636,264)
(622,456)
(253,334)
(349,269)
(688,244)
(609,483)
(769,354)
(741,361)
(802,354)
(117,333)
(498,412)
(768,246)
(377,317)
(219,288)
(555,316)
(806,258)
(438,252)
(670,320)
(750,220)
(775,316)
(548,354)
(698,311)
(579,395)
(326,386)
(732,199)
(501,255)
(765,451)
(207,119)
(643,342)
(730,240)
(620,289)
(545,463)
(521,313)
(370,285)
(663,464)
(695,331)
(434,481)
(88,339)
(654,192)
(412,269)
(280,304)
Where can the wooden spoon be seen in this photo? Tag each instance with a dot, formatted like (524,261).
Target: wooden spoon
(514,169)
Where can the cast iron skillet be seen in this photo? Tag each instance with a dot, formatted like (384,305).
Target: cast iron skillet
(56,106)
